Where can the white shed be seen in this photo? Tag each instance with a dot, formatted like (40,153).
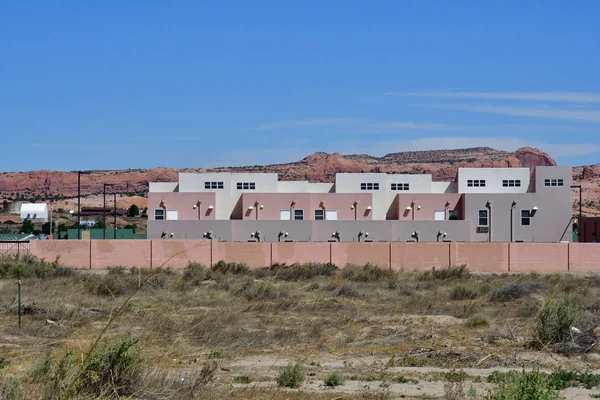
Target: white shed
(34,212)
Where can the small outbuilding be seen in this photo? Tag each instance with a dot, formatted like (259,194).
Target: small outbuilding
(34,212)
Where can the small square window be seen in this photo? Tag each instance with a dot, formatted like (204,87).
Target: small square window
(363,186)
(319,215)
(393,186)
(206,185)
(505,183)
(525,217)
(252,185)
(482,183)
(546,182)
(246,186)
(239,185)
(298,215)
(518,183)
(376,186)
(470,183)
(453,215)
(219,185)
(369,186)
(560,182)
(159,214)
(406,186)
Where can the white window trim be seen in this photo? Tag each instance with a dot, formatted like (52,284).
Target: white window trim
(294,215)
(175,212)
(487,218)
(528,217)
(285,210)
(436,212)
(323,214)
(331,211)
(164,217)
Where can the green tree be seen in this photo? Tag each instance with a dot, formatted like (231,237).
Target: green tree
(27,227)
(133,211)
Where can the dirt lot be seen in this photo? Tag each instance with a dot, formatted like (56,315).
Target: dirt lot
(229,332)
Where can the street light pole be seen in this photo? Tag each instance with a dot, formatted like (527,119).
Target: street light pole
(115,216)
(78,204)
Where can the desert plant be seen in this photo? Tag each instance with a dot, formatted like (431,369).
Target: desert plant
(230,268)
(333,379)
(291,376)
(259,290)
(462,292)
(453,272)
(477,321)
(195,273)
(300,271)
(242,379)
(513,291)
(554,321)
(531,385)
(366,273)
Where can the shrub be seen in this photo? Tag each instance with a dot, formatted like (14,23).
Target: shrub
(10,389)
(402,379)
(242,379)
(112,284)
(524,386)
(259,290)
(366,273)
(4,362)
(554,321)
(301,271)
(333,379)
(342,289)
(477,321)
(27,266)
(513,291)
(291,376)
(462,292)
(230,268)
(454,272)
(195,273)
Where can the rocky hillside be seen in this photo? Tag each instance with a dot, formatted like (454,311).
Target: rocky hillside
(317,167)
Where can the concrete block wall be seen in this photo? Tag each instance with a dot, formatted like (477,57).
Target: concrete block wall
(399,256)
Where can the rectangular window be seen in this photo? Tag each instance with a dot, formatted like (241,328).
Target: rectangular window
(369,186)
(285,215)
(439,215)
(453,215)
(246,185)
(525,217)
(400,186)
(298,215)
(476,183)
(172,215)
(554,182)
(319,215)
(213,185)
(483,218)
(511,183)
(331,215)
(159,214)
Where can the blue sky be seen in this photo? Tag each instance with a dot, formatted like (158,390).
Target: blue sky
(139,84)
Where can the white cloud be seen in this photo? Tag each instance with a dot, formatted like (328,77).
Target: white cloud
(565,97)
(537,112)
(302,122)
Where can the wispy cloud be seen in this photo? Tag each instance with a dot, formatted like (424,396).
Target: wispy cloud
(564,97)
(327,122)
(78,146)
(538,112)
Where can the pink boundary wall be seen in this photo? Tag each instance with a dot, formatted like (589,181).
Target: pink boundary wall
(479,257)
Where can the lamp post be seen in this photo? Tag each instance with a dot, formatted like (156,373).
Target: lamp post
(488,205)
(579,219)
(512,207)
(115,215)
(197,206)
(355,208)
(104,208)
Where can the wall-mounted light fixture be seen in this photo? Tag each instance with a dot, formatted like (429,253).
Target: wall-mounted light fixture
(210,207)
(207,235)
(354,207)
(281,234)
(441,235)
(369,208)
(512,208)
(262,206)
(534,208)
(163,235)
(250,208)
(336,235)
(256,235)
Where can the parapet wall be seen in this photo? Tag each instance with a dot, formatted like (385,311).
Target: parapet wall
(479,257)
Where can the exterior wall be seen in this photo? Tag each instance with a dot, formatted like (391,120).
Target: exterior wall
(122,253)
(303,187)
(429,203)
(550,223)
(540,257)
(227,197)
(584,257)
(479,257)
(493,179)
(163,187)
(377,254)
(382,198)
(483,257)
(590,229)
(184,204)
(274,203)
(564,173)
(72,253)
(312,231)
(419,256)
(444,187)
(177,254)
(254,255)
(300,253)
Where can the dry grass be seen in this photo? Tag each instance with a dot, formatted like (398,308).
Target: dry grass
(209,326)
